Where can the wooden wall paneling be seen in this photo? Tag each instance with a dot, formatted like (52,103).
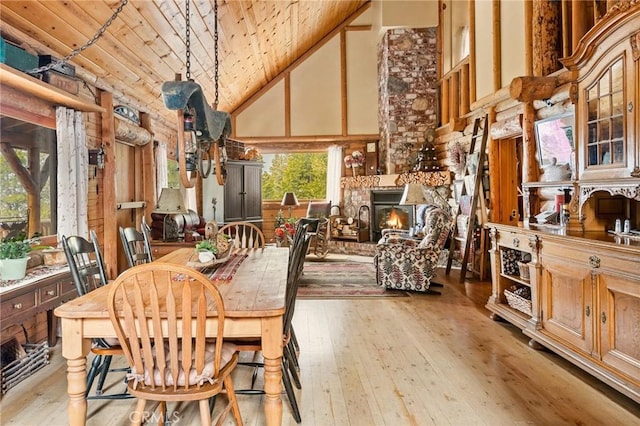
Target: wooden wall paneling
(464,89)
(528,37)
(454,99)
(148,194)
(497,55)
(343,82)
(287,104)
(110,237)
(579,22)
(444,103)
(530,170)
(493,157)
(472,51)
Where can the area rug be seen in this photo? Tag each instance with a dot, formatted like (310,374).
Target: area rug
(341,279)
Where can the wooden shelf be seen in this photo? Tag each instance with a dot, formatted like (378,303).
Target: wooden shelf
(31,85)
(516,279)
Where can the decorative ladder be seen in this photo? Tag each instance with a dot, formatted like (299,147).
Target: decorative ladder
(471,224)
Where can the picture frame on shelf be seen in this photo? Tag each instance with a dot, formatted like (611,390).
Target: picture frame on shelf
(555,139)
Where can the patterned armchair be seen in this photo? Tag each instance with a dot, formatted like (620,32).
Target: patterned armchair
(405,263)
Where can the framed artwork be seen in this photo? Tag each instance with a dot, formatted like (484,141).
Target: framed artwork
(554,138)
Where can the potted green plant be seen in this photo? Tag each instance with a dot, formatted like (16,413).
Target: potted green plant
(13,258)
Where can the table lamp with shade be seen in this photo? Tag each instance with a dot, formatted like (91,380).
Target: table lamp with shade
(169,203)
(413,196)
(289,200)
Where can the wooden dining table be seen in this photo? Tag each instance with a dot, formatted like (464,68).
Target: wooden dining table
(254,300)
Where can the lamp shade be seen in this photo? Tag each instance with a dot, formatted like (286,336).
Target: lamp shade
(412,195)
(170,202)
(289,199)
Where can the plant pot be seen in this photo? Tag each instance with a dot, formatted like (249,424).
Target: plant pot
(13,269)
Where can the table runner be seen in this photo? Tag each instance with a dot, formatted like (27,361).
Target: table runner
(219,272)
(225,271)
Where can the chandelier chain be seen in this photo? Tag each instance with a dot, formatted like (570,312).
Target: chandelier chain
(84,47)
(188,40)
(216,63)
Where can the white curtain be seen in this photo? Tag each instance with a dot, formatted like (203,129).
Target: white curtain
(73,173)
(334,172)
(162,168)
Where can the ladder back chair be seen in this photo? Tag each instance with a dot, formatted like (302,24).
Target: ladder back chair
(244,234)
(88,273)
(160,313)
(289,365)
(146,232)
(136,247)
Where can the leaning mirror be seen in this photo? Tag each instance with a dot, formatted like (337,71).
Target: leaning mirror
(554,136)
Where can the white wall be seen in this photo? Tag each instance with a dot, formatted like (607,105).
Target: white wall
(265,117)
(512,41)
(484,48)
(315,93)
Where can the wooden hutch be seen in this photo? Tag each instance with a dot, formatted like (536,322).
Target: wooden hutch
(584,279)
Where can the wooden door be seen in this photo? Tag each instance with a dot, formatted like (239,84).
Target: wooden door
(252,189)
(233,189)
(567,303)
(619,320)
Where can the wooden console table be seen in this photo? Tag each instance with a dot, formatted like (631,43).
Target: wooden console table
(160,248)
(25,298)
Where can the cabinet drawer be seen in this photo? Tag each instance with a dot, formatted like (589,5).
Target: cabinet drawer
(48,292)
(68,288)
(587,256)
(514,240)
(18,305)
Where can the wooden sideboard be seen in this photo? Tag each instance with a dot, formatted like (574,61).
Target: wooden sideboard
(160,248)
(585,297)
(23,301)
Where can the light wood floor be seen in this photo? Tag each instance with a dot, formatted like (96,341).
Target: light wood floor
(419,360)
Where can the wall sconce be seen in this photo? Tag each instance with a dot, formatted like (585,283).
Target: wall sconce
(96,158)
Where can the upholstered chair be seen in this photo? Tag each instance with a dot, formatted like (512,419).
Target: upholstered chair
(405,263)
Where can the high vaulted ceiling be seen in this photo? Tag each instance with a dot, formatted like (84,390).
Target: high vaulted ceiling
(145,45)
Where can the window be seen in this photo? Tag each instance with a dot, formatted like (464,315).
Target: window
(303,173)
(27,169)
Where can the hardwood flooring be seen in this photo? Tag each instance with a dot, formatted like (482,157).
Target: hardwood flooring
(419,360)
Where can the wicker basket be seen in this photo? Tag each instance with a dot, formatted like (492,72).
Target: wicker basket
(37,356)
(518,303)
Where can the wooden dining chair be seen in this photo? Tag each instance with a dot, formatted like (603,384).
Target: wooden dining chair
(136,248)
(244,234)
(88,273)
(297,255)
(160,313)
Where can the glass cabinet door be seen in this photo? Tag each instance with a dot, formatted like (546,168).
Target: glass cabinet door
(605,118)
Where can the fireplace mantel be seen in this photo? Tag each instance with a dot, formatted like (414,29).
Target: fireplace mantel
(396,180)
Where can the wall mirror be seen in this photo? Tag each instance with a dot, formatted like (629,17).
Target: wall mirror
(554,137)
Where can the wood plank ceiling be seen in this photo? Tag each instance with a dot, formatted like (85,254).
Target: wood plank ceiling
(145,44)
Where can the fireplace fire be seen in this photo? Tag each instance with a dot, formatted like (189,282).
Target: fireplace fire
(387,213)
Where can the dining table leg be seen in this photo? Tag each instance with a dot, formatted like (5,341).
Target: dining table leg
(75,350)
(272,353)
